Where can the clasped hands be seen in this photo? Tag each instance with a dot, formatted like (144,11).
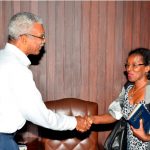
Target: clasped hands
(83,123)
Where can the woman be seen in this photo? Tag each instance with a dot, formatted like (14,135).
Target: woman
(138,72)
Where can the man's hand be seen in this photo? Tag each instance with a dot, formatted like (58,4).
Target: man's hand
(83,123)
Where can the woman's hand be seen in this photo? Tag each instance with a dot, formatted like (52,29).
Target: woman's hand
(140,133)
(83,123)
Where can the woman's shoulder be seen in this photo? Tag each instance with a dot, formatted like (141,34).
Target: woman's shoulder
(147,95)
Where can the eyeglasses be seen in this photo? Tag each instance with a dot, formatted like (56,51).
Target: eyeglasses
(134,66)
(40,37)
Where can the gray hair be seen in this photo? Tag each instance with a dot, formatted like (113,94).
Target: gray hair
(21,23)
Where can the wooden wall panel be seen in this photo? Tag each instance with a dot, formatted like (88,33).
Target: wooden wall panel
(136,24)
(93,49)
(101,66)
(51,53)
(127,30)
(85,31)
(59,48)
(118,48)
(1,25)
(110,47)
(76,51)
(68,47)
(145,24)
(87,43)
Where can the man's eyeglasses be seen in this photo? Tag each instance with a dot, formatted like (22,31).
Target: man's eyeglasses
(134,66)
(40,37)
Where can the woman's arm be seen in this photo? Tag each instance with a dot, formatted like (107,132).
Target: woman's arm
(102,119)
(114,110)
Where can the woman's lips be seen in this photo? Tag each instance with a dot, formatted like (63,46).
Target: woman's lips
(130,75)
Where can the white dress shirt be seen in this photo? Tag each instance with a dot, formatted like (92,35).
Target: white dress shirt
(20,100)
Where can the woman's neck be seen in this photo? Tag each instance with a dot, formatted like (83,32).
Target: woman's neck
(141,83)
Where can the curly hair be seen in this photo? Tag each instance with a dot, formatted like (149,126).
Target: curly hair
(145,53)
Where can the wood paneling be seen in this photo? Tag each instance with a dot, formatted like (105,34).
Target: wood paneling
(87,43)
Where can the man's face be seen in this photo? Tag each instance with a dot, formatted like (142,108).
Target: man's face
(36,39)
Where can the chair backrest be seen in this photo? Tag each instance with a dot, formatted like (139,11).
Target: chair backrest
(70,140)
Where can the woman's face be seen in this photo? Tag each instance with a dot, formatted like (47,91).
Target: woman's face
(136,70)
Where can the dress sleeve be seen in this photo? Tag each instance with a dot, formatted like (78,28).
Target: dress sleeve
(115,107)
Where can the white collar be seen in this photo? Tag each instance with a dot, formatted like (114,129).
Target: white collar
(18,53)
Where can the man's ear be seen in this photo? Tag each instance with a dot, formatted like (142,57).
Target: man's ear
(23,39)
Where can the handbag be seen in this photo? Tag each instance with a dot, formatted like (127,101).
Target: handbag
(117,139)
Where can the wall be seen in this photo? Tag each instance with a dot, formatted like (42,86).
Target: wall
(86,46)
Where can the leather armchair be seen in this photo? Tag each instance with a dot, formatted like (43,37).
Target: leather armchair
(68,140)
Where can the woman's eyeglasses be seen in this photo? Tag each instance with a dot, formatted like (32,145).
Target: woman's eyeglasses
(134,66)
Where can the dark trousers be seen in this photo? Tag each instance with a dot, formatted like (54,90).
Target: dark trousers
(7,142)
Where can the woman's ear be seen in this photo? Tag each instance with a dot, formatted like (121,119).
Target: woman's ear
(147,69)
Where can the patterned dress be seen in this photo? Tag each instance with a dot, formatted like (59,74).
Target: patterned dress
(133,143)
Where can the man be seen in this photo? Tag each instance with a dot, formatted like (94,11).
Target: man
(20,100)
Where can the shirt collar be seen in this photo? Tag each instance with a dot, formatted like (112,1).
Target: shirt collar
(18,53)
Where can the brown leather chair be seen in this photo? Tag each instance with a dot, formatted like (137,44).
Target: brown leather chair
(68,140)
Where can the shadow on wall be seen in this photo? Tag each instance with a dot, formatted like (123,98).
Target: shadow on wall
(35,59)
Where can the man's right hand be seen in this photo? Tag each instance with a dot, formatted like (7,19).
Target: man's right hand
(83,123)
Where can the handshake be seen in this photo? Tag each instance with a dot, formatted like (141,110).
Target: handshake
(83,123)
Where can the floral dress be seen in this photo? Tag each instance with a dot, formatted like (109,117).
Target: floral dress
(133,143)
